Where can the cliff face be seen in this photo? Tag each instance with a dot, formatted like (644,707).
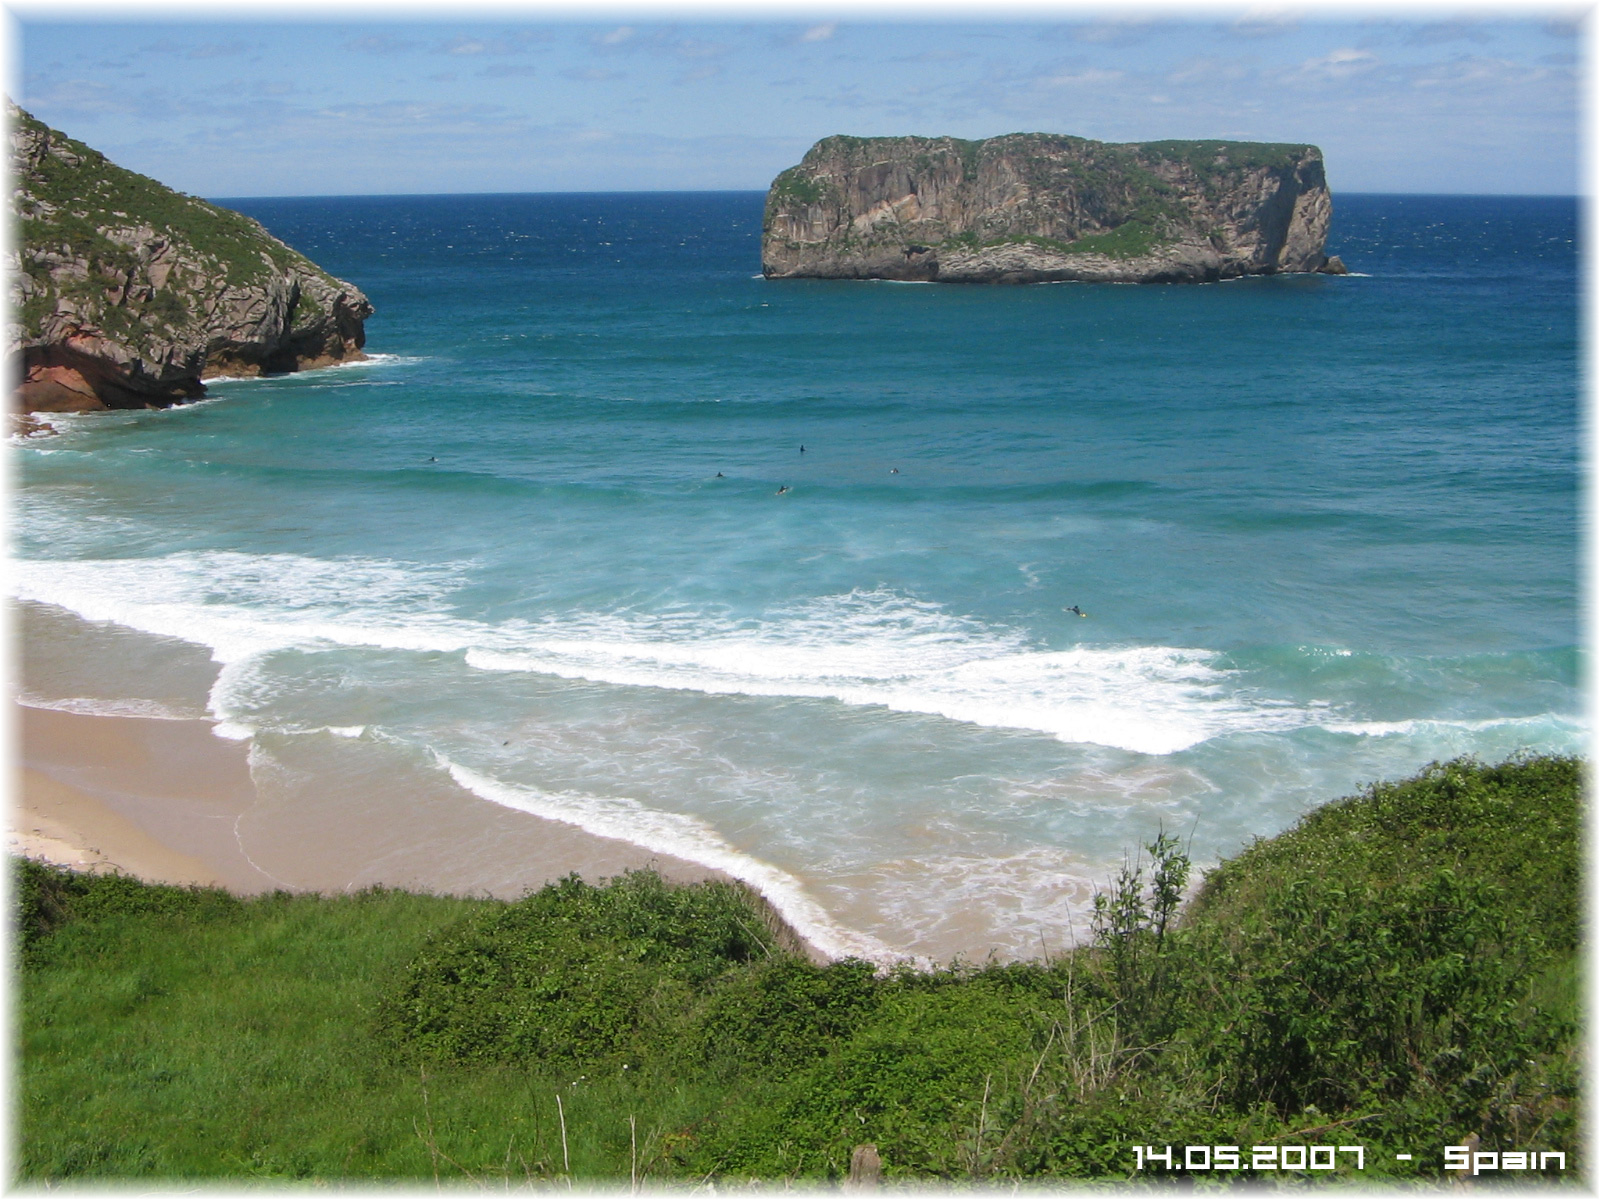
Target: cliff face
(1034,207)
(126,293)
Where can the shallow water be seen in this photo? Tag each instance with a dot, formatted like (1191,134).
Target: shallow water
(1324,529)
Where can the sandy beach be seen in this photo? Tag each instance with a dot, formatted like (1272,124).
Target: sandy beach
(169,801)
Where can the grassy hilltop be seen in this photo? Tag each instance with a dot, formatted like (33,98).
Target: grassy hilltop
(1399,971)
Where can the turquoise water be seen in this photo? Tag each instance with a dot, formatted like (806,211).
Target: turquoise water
(1325,531)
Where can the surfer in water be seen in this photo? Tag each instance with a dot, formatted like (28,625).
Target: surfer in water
(781,490)
(1075,609)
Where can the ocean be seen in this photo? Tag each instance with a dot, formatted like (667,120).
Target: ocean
(535,552)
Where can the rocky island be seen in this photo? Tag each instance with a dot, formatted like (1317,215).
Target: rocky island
(1037,207)
(125,293)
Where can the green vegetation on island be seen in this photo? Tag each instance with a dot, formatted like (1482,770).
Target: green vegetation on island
(1400,972)
(127,293)
(1033,207)
(76,193)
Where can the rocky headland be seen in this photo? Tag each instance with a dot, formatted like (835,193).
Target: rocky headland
(1037,207)
(126,294)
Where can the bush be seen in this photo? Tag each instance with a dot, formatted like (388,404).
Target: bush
(572,973)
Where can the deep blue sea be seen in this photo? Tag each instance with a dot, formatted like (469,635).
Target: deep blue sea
(1324,531)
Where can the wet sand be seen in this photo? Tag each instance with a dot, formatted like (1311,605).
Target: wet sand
(169,801)
(60,824)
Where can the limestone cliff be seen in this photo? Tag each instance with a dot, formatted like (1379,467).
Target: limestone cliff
(125,293)
(1035,207)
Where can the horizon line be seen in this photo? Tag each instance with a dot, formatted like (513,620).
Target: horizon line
(218,199)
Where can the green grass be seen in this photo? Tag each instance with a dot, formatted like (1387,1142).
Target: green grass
(1399,970)
(796,187)
(1131,239)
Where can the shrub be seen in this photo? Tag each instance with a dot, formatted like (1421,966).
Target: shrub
(571,973)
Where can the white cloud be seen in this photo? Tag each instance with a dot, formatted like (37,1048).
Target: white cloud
(1264,23)
(696,48)
(1087,75)
(378,43)
(1482,73)
(203,50)
(1208,71)
(42,93)
(1340,64)
(1438,32)
(518,41)
(1128,31)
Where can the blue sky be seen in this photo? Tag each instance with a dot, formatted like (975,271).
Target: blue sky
(509,102)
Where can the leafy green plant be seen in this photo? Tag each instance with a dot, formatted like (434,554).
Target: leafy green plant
(1129,923)
(572,973)
(1402,966)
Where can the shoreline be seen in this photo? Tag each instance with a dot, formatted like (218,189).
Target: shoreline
(67,827)
(168,801)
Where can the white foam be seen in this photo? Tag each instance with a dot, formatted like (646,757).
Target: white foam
(371,360)
(45,426)
(1426,725)
(874,648)
(95,706)
(60,424)
(243,605)
(376,359)
(1017,903)
(685,837)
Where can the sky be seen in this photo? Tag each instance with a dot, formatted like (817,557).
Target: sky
(413,101)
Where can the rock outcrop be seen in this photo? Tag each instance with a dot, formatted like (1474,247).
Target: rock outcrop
(1036,207)
(125,294)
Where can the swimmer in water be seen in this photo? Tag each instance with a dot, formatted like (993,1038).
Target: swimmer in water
(1075,609)
(719,474)
(894,470)
(781,490)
